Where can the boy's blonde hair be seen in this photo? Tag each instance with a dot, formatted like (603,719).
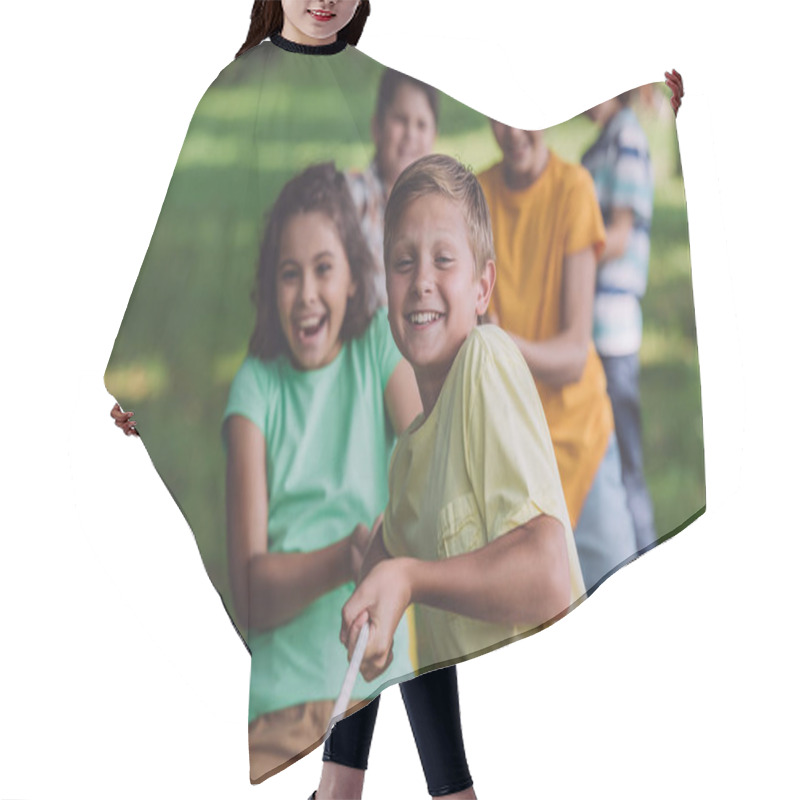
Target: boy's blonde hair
(442,175)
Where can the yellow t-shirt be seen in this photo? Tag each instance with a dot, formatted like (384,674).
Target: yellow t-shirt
(479,466)
(534,229)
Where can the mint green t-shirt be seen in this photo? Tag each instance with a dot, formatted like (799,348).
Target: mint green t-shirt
(328,447)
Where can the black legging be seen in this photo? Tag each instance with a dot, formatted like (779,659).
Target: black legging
(433,711)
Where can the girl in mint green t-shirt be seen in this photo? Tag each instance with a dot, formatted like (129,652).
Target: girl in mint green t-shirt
(309,426)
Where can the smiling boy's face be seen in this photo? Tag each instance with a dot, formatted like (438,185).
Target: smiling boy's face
(435,295)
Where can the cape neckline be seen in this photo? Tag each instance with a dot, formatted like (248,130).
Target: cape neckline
(308,49)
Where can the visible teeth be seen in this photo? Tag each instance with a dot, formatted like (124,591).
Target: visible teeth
(305,324)
(423,317)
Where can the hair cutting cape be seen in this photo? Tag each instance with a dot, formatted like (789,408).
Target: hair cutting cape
(186,331)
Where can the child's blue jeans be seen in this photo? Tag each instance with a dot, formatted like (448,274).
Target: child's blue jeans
(604,534)
(622,378)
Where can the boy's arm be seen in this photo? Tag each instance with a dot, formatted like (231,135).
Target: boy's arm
(269,589)
(631,191)
(561,359)
(520,578)
(618,234)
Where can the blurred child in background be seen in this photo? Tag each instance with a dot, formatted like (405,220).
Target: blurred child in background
(619,163)
(403,130)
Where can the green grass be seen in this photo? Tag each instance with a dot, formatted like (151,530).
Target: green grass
(189,327)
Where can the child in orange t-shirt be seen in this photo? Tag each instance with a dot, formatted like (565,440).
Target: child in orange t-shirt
(548,234)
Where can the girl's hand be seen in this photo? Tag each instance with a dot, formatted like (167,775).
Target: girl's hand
(124,420)
(675,83)
(380,601)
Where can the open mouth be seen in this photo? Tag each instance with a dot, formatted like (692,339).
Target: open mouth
(321,16)
(424,319)
(308,331)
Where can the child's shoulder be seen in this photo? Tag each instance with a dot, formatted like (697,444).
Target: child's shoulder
(487,338)
(492,370)
(258,373)
(253,391)
(569,175)
(489,349)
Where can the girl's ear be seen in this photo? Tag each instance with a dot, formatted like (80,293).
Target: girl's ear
(485,286)
(352,289)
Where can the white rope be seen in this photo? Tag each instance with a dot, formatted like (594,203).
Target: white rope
(350,676)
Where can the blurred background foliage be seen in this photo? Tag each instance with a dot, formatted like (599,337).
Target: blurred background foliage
(190,316)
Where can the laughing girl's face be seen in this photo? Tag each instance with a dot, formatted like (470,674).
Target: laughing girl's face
(314,283)
(316,22)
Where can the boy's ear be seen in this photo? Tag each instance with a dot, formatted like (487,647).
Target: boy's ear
(485,286)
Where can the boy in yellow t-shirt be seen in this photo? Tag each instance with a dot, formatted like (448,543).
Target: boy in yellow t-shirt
(476,532)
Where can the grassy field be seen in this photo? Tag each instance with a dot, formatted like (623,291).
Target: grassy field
(190,317)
